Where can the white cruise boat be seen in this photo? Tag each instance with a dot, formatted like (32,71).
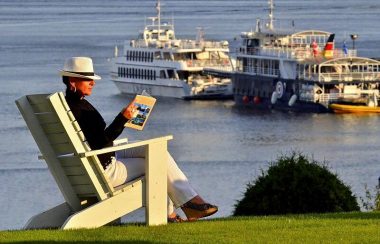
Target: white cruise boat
(165,66)
(301,70)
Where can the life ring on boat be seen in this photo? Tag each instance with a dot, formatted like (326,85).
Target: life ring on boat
(226,62)
(319,91)
(256,100)
(279,89)
(245,99)
(189,63)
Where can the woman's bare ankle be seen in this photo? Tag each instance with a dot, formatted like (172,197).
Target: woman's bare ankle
(197,200)
(172,215)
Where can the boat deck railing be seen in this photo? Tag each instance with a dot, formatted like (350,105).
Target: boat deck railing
(222,64)
(178,44)
(342,77)
(289,52)
(259,70)
(227,68)
(328,98)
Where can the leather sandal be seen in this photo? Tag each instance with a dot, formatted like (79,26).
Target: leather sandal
(196,211)
(176,219)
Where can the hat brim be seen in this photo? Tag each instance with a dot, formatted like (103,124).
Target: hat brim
(70,74)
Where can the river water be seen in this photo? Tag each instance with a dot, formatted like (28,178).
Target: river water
(219,146)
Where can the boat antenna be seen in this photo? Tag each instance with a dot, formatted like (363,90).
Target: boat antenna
(173,24)
(258,25)
(200,34)
(158,8)
(271,10)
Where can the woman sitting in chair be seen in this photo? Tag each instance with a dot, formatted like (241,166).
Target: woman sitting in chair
(79,78)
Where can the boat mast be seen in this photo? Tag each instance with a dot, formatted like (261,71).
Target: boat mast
(158,7)
(271,10)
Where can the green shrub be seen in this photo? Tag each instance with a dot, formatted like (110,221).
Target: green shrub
(371,202)
(296,184)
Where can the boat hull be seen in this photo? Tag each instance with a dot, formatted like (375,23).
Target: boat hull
(220,96)
(256,91)
(344,108)
(152,89)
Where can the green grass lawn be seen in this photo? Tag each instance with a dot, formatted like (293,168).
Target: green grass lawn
(313,228)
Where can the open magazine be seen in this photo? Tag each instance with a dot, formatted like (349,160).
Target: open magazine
(144,104)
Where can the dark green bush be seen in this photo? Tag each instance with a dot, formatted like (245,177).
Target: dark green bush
(296,184)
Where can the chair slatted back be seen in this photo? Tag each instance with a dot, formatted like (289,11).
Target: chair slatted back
(60,140)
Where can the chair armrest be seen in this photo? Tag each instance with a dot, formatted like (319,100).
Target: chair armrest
(124,146)
(120,141)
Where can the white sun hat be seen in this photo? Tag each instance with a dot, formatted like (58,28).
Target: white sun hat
(81,67)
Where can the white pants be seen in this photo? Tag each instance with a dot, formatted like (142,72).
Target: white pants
(130,164)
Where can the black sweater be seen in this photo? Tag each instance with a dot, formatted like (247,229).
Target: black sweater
(93,125)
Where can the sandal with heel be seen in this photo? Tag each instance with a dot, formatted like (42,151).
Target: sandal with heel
(175,219)
(196,211)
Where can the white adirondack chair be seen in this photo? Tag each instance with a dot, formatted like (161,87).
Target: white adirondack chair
(91,201)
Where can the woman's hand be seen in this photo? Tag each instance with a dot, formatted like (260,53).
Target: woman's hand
(129,111)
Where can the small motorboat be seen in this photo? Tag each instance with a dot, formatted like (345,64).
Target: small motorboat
(347,108)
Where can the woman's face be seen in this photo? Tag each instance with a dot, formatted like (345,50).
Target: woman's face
(82,85)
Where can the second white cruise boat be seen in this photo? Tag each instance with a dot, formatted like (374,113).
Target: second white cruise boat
(165,66)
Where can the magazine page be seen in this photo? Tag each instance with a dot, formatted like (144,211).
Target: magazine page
(144,105)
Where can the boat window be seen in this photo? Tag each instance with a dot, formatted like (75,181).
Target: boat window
(171,74)
(127,55)
(253,42)
(355,68)
(162,74)
(245,62)
(154,75)
(166,55)
(326,69)
(157,55)
(178,56)
(182,75)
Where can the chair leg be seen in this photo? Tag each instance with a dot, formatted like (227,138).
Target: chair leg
(156,183)
(107,210)
(52,218)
